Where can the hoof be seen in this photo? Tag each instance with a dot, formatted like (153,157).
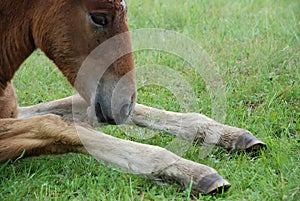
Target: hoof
(249,143)
(211,184)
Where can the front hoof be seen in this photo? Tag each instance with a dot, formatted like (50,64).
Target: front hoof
(211,184)
(204,179)
(249,143)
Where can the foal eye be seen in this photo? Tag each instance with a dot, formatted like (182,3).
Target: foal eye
(99,19)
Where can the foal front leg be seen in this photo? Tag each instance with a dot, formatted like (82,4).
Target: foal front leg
(195,127)
(50,134)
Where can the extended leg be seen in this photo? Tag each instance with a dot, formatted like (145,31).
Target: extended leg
(189,126)
(195,127)
(50,134)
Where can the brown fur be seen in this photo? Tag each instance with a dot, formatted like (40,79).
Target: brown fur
(46,135)
(8,103)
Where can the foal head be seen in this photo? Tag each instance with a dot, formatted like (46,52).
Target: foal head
(89,42)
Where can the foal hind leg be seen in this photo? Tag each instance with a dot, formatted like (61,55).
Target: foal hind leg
(8,103)
(47,134)
(50,134)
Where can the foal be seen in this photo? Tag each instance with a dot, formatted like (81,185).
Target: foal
(67,31)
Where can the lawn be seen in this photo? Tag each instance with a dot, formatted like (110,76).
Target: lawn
(255,45)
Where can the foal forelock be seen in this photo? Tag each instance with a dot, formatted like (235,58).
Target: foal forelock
(124,5)
(117,4)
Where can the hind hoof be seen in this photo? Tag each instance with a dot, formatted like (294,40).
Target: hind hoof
(211,184)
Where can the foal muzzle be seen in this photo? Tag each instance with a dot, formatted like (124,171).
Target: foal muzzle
(115,98)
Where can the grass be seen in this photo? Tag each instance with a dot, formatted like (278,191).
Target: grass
(256,46)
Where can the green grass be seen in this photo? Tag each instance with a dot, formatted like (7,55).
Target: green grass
(255,44)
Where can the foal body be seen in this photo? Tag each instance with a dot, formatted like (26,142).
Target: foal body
(52,128)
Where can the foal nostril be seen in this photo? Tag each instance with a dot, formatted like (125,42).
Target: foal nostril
(133,98)
(124,112)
